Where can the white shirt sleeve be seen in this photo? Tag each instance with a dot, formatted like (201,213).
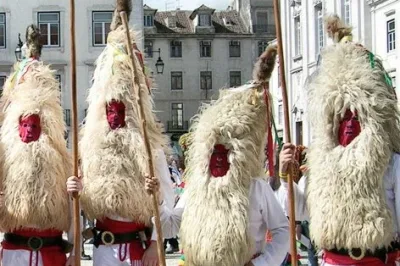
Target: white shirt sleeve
(276,221)
(171,218)
(167,193)
(396,177)
(299,200)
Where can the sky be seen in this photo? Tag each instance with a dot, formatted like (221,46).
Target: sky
(187,4)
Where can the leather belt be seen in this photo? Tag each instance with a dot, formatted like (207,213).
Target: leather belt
(380,253)
(108,238)
(37,243)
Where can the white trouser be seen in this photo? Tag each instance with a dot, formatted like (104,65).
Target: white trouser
(21,258)
(115,255)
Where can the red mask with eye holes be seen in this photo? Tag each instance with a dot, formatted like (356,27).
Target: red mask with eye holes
(116,114)
(349,128)
(29,128)
(219,164)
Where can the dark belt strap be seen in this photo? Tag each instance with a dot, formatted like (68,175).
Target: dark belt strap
(36,243)
(108,238)
(380,253)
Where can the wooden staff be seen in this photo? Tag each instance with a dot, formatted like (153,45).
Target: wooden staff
(77,224)
(292,217)
(142,116)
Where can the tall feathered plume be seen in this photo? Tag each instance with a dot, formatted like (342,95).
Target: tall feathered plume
(122,5)
(265,64)
(336,28)
(34,47)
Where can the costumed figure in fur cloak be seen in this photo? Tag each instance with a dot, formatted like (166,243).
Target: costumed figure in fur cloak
(31,53)
(228,205)
(114,158)
(353,185)
(34,164)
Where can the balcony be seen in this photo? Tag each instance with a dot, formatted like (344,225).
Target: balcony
(264,29)
(173,126)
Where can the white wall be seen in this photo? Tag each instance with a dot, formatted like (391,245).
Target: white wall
(191,64)
(381,14)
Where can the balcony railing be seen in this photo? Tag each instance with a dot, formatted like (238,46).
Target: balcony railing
(174,126)
(265,29)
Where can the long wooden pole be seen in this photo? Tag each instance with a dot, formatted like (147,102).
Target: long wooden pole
(292,222)
(76,209)
(135,74)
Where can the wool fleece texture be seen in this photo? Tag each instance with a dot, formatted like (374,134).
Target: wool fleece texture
(215,223)
(34,174)
(345,192)
(114,162)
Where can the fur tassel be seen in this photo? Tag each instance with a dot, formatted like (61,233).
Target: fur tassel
(336,28)
(265,64)
(122,5)
(33,41)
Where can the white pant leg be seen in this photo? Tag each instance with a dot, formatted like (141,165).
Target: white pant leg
(20,258)
(109,256)
(328,264)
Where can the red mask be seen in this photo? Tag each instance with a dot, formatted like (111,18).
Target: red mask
(29,128)
(219,164)
(349,128)
(116,114)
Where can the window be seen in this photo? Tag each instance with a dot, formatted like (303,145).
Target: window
(262,45)
(176,49)
(204,20)
(66,137)
(347,11)
(280,114)
(205,49)
(319,29)
(297,35)
(177,115)
(206,80)
(58,78)
(2,30)
(148,20)
(391,35)
(49,25)
(234,49)
(393,82)
(148,48)
(2,82)
(176,80)
(262,22)
(101,22)
(235,78)
(67,117)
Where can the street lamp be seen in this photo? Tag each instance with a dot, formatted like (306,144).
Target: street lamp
(18,49)
(160,63)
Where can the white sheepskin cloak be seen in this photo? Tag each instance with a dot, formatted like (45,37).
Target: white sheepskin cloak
(33,175)
(114,162)
(345,192)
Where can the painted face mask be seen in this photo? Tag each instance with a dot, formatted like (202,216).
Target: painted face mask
(219,164)
(29,128)
(349,128)
(116,114)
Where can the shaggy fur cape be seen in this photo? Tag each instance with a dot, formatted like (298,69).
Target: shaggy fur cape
(345,192)
(34,174)
(215,223)
(114,162)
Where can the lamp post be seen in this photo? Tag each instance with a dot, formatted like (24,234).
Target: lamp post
(160,63)
(18,49)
